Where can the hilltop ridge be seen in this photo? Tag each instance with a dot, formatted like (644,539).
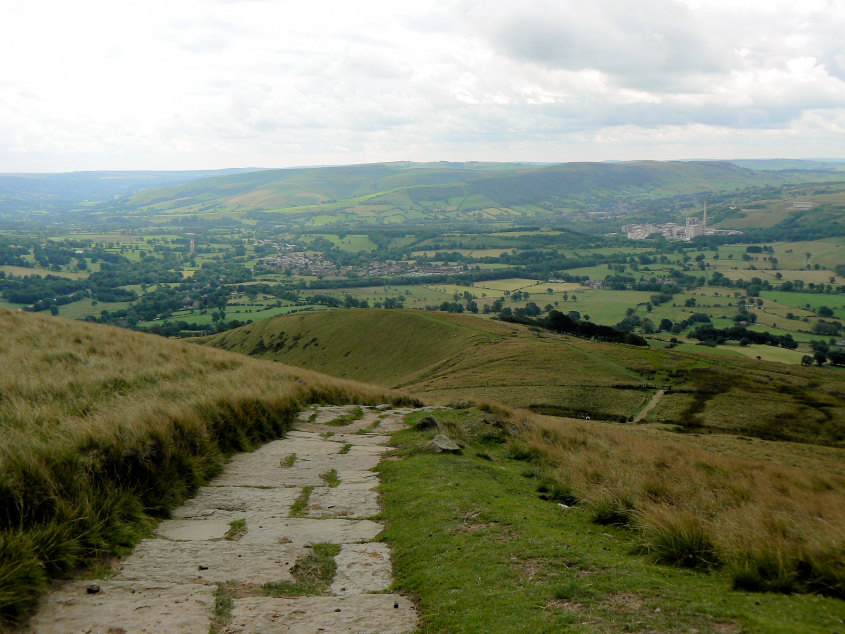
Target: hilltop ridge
(446,357)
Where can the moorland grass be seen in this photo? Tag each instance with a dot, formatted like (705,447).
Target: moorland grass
(102,430)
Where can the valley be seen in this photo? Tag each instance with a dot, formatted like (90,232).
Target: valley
(650,431)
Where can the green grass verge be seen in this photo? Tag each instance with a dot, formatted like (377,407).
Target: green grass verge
(474,541)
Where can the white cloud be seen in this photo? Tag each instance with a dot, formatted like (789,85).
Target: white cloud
(212,83)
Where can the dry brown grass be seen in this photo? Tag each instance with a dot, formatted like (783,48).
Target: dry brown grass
(775,527)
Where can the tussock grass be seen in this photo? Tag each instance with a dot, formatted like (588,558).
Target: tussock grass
(102,429)
(498,541)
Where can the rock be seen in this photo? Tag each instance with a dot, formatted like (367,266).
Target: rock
(426,422)
(92,589)
(441,444)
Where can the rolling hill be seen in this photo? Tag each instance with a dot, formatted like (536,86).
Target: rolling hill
(443,357)
(392,193)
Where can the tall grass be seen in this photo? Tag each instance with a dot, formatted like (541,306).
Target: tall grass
(102,429)
(775,528)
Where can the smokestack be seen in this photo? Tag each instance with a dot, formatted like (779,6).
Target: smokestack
(705,214)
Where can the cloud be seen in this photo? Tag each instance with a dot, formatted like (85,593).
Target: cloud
(655,45)
(99,84)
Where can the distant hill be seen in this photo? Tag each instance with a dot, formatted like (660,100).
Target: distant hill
(451,357)
(21,192)
(791,164)
(395,193)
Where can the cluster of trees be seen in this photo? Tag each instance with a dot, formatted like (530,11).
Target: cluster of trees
(823,353)
(558,322)
(711,336)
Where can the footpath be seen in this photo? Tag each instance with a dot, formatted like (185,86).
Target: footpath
(242,555)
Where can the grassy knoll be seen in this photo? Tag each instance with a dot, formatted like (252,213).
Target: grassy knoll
(104,429)
(444,357)
(482,541)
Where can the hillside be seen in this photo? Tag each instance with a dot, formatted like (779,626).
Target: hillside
(104,429)
(444,357)
(423,193)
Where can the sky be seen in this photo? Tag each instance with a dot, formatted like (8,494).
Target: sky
(204,84)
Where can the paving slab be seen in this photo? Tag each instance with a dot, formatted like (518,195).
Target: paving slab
(392,423)
(258,470)
(368,450)
(300,530)
(327,413)
(192,530)
(310,443)
(343,502)
(125,606)
(234,502)
(323,422)
(358,479)
(210,562)
(362,568)
(384,613)
(360,439)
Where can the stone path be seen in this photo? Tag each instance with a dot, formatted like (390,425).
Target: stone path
(170,582)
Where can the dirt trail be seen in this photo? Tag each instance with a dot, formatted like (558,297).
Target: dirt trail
(170,582)
(650,406)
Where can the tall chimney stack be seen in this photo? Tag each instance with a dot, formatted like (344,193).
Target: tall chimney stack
(705,214)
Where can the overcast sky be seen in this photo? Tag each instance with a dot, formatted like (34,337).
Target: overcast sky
(196,84)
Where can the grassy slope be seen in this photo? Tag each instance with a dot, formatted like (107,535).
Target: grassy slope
(103,428)
(447,357)
(476,542)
